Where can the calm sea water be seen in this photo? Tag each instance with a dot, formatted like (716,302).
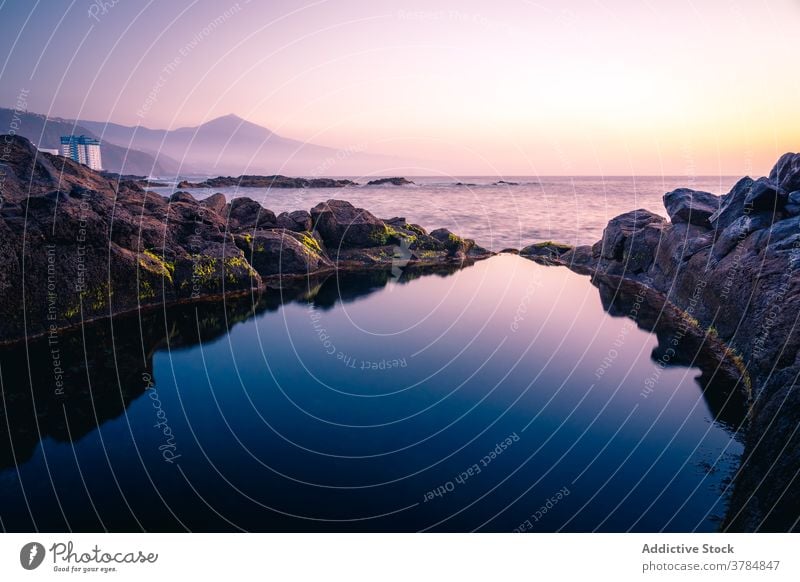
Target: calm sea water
(442,400)
(573,210)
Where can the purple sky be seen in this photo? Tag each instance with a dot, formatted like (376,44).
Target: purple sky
(508,87)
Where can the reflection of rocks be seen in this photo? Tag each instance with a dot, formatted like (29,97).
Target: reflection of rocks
(732,268)
(103,371)
(680,343)
(346,286)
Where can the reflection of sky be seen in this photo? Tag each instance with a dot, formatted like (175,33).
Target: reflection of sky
(516,87)
(277,415)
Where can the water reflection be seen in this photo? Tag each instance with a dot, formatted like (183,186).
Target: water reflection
(680,344)
(64,388)
(267,410)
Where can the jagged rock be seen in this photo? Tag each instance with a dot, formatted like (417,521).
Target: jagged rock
(793,203)
(183,197)
(245,213)
(456,246)
(692,206)
(215,203)
(343,225)
(765,195)
(732,204)
(273,252)
(109,247)
(544,250)
(739,230)
(743,279)
(624,231)
(298,221)
(786,172)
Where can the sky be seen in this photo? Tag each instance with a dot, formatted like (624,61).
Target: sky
(511,87)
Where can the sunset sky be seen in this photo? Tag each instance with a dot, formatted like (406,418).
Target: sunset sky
(509,87)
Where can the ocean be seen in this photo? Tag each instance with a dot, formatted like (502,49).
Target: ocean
(572,210)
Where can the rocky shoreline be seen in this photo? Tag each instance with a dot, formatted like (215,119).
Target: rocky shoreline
(730,263)
(78,246)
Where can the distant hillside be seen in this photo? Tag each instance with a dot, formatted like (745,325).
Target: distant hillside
(46,133)
(230,145)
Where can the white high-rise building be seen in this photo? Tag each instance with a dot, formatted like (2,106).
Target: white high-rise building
(82,149)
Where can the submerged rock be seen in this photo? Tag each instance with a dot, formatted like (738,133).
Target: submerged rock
(397,181)
(277,181)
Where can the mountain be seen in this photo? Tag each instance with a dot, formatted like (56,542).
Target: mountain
(46,133)
(230,145)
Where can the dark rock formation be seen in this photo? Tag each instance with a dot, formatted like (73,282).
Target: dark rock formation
(343,225)
(786,173)
(736,274)
(389,182)
(544,251)
(245,213)
(76,245)
(298,221)
(455,245)
(732,204)
(692,206)
(273,252)
(267,182)
(215,203)
(765,195)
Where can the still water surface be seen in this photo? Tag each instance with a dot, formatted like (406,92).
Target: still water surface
(445,400)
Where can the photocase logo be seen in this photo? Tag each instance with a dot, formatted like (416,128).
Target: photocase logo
(31,555)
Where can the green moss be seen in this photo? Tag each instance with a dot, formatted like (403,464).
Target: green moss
(738,361)
(233,265)
(157,265)
(310,243)
(689,320)
(415,229)
(390,235)
(146,290)
(204,268)
(381,237)
(99,296)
